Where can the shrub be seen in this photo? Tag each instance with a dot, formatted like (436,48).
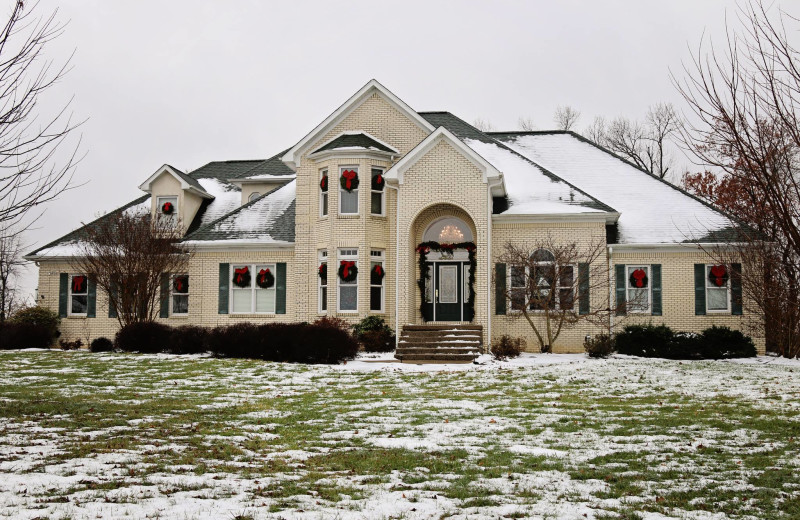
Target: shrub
(101,345)
(189,339)
(374,334)
(145,337)
(600,346)
(40,317)
(70,345)
(24,335)
(506,347)
(725,343)
(684,345)
(241,340)
(644,340)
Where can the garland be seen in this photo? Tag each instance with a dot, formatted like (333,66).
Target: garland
(349,180)
(181,284)
(348,272)
(378,182)
(323,184)
(377,274)
(426,247)
(323,270)
(265,279)
(241,277)
(638,279)
(167,208)
(718,275)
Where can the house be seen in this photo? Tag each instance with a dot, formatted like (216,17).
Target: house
(337,220)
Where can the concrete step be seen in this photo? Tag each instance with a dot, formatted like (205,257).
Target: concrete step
(436,358)
(442,344)
(443,327)
(436,350)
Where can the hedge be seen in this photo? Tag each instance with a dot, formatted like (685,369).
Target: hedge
(660,341)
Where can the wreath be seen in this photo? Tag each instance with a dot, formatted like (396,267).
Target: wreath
(323,184)
(718,275)
(265,279)
(180,284)
(323,270)
(378,182)
(168,208)
(348,272)
(377,274)
(638,279)
(349,180)
(78,284)
(241,277)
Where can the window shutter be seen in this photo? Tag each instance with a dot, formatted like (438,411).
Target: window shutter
(280,288)
(91,291)
(224,280)
(164,311)
(655,277)
(699,289)
(583,288)
(112,309)
(736,289)
(619,275)
(63,294)
(500,289)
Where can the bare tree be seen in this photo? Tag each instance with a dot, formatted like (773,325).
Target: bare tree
(126,254)
(597,130)
(31,173)
(566,117)
(526,124)
(745,97)
(483,125)
(11,263)
(549,283)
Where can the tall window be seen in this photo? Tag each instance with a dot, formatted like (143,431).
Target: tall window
(348,291)
(551,285)
(377,191)
(348,200)
(517,285)
(323,194)
(376,276)
(323,281)
(179,297)
(717,289)
(78,294)
(249,295)
(167,209)
(637,282)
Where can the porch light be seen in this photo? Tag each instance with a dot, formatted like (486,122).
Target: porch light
(451,233)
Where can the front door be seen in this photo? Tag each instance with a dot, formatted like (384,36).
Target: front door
(447,297)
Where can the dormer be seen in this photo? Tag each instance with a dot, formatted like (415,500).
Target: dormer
(258,185)
(172,192)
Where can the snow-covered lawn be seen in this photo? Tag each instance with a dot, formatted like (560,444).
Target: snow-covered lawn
(545,436)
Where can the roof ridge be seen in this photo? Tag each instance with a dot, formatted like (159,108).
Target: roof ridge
(529,132)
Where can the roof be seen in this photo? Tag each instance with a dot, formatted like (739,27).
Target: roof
(652,210)
(355,141)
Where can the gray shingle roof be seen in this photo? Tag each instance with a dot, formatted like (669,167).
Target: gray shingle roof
(190,180)
(355,140)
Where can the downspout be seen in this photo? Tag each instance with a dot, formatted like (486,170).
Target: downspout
(610,292)
(489,208)
(396,264)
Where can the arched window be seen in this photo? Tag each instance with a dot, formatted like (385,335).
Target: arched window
(543,282)
(448,230)
(253,196)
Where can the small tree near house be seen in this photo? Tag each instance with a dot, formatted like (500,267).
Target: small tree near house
(131,257)
(549,283)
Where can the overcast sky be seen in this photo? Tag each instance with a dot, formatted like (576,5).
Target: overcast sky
(188,82)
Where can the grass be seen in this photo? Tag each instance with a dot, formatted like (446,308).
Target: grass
(96,435)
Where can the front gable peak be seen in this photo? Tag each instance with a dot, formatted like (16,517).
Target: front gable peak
(187,183)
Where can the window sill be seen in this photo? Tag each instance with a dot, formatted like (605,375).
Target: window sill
(726,312)
(251,314)
(179,316)
(349,215)
(375,215)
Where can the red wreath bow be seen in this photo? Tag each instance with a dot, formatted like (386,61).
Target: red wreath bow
(323,269)
(167,208)
(240,273)
(262,275)
(638,277)
(179,284)
(347,264)
(323,184)
(379,270)
(78,284)
(719,275)
(349,175)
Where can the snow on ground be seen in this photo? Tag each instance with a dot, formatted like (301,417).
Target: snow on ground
(542,436)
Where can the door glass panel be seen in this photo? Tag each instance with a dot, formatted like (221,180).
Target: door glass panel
(448,284)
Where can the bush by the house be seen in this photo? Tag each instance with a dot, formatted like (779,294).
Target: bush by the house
(24,335)
(725,343)
(600,346)
(189,339)
(374,334)
(145,337)
(661,341)
(644,340)
(101,345)
(70,345)
(506,347)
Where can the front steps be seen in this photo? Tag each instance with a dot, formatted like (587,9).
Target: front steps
(440,343)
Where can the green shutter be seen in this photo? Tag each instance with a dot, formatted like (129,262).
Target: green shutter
(583,288)
(699,289)
(736,289)
(619,275)
(224,271)
(164,311)
(500,289)
(112,309)
(91,306)
(280,288)
(655,281)
(63,294)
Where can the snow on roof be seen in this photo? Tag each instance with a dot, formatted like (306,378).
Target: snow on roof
(226,199)
(530,190)
(651,210)
(268,177)
(64,249)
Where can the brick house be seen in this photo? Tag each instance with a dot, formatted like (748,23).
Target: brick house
(413,177)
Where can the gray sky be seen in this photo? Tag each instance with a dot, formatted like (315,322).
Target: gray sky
(188,82)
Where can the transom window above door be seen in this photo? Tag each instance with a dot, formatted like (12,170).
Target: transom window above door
(448,230)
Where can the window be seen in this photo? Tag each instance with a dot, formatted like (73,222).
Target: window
(717,288)
(449,229)
(348,200)
(78,294)
(552,285)
(376,275)
(323,281)
(179,294)
(253,196)
(348,291)
(377,194)
(517,285)
(167,209)
(323,194)
(637,282)
(248,296)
